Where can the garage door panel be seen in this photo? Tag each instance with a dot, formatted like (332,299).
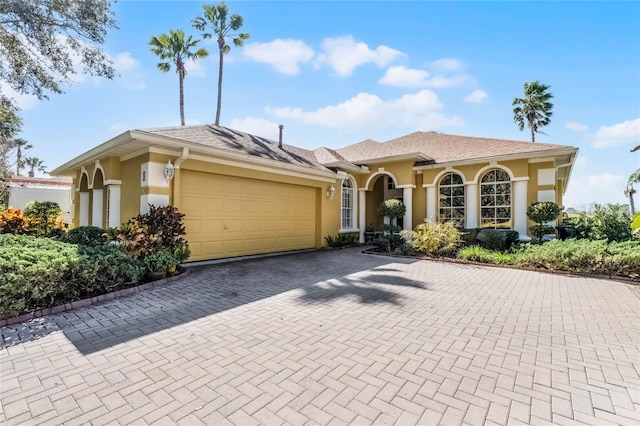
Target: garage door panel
(231,216)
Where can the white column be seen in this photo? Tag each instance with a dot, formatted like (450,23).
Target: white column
(113,193)
(96,217)
(471,205)
(83,219)
(520,206)
(432,203)
(407,199)
(362,211)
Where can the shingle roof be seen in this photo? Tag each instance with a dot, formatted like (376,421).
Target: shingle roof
(426,147)
(368,150)
(233,140)
(447,148)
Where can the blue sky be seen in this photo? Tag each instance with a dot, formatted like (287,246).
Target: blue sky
(335,73)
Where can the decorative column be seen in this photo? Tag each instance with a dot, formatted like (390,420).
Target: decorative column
(96,217)
(520,205)
(113,203)
(471,205)
(83,218)
(407,199)
(432,202)
(362,212)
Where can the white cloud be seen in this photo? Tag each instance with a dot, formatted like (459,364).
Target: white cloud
(576,127)
(195,68)
(603,188)
(129,69)
(446,64)
(344,54)
(284,55)
(421,110)
(400,76)
(618,134)
(256,126)
(476,96)
(23,102)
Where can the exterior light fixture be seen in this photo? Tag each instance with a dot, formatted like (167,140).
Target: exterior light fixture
(331,192)
(169,171)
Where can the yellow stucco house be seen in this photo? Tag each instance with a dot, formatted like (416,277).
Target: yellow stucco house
(243,194)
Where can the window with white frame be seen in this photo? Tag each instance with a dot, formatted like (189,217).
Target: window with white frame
(347,204)
(495,199)
(451,198)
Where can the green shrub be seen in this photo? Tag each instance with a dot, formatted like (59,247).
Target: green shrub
(166,223)
(434,239)
(342,240)
(476,254)
(37,273)
(86,236)
(542,212)
(469,236)
(497,239)
(160,260)
(610,222)
(393,209)
(47,218)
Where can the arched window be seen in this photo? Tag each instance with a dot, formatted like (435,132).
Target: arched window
(347,205)
(495,199)
(452,199)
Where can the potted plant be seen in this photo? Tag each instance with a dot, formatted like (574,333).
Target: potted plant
(159,262)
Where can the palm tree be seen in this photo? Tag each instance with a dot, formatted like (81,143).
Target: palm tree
(630,191)
(175,49)
(34,163)
(216,15)
(20,144)
(534,110)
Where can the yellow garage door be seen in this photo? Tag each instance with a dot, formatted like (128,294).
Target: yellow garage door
(228,216)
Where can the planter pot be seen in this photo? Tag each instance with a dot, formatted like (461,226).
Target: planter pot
(171,271)
(157,275)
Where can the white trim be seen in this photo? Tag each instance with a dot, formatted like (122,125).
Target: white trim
(349,230)
(407,199)
(362,201)
(519,207)
(540,160)
(508,157)
(378,173)
(83,217)
(432,204)
(483,170)
(98,204)
(97,167)
(446,171)
(113,206)
(472,206)
(83,171)
(354,202)
(405,186)
(182,158)
(112,182)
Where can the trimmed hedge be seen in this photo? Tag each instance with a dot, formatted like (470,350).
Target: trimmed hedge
(489,238)
(576,256)
(37,273)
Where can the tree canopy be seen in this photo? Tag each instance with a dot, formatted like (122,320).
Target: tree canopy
(216,16)
(43,42)
(176,48)
(535,109)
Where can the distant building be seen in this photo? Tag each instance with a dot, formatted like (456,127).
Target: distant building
(23,190)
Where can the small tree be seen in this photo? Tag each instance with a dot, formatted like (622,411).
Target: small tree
(47,217)
(542,212)
(393,209)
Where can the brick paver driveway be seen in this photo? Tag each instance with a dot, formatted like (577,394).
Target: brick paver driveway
(335,337)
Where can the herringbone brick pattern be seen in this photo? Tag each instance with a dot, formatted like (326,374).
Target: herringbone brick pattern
(335,337)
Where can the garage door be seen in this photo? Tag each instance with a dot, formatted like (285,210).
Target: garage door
(229,216)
